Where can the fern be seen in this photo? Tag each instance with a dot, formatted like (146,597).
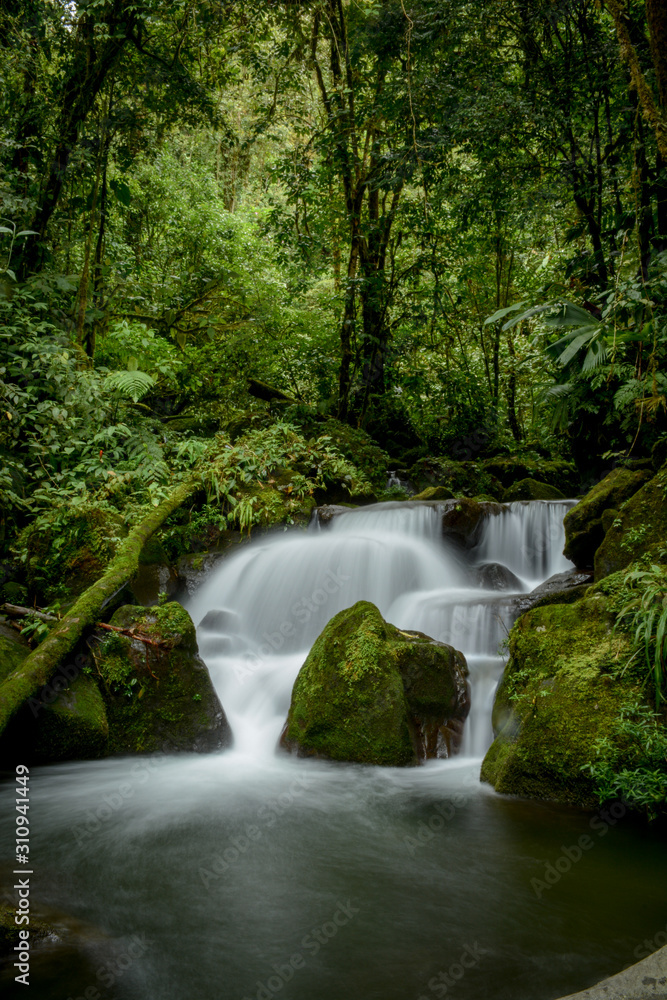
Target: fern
(130,384)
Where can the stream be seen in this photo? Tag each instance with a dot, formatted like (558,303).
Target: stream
(250,874)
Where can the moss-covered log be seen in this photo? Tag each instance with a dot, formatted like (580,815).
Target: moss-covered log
(38,668)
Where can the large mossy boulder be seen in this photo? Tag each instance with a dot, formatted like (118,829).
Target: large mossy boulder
(157,689)
(531,489)
(562,691)
(640,526)
(67,722)
(434,493)
(584,525)
(372,694)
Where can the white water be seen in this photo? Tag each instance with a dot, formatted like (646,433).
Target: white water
(284,589)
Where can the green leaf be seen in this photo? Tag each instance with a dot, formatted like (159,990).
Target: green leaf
(501,313)
(570,314)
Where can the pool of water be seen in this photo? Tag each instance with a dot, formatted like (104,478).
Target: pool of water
(231,876)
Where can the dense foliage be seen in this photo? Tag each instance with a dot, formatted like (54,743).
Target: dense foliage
(295,246)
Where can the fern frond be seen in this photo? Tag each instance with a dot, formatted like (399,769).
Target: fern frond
(130,384)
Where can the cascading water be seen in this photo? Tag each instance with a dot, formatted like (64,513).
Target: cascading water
(251,875)
(278,594)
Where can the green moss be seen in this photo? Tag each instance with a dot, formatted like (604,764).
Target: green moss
(67,549)
(562,691)
(640,527)
(434,493)
(531,489)
(157,691)
(12,653)
(512,469)
(366,688)
(584,527)
(74,726)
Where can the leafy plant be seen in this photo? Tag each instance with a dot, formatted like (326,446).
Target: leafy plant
(631,763)
(646,617)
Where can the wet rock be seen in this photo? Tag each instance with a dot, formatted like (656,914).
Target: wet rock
(462,520)
(372,694)
(561,588)
(584,530)
(531,489)
(67,721)
(434,493)
(556,472)
(151,580)
(328,511)
(639,527)
(219,620)
(561,693)
(157,689)
(495,576)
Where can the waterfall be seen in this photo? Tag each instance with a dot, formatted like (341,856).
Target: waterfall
(260,611)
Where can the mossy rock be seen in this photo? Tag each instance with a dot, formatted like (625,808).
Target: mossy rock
(466,478)
(560,693)
(13,651)
(512,469)
(273,502)
(157,690)
(584,529)
(371,694)
(69,549)
(640,526)
(434,493)
(463,519)
(74,726)
(67,723)
(531,489)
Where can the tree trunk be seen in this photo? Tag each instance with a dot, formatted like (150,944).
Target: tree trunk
(39,667)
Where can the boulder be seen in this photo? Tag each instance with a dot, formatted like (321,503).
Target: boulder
(561,588)
(434,493)
(468,478)
(555,472)
(560,694)
(462,520)
(639,526)
(584,529)
(372,694)
(69,724)
(495,576)
(531,489)
(157,690)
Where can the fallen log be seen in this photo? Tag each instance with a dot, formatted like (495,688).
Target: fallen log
(16,611)
(261,390)
(38,668)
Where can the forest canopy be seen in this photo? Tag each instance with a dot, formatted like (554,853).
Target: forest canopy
(441,224)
